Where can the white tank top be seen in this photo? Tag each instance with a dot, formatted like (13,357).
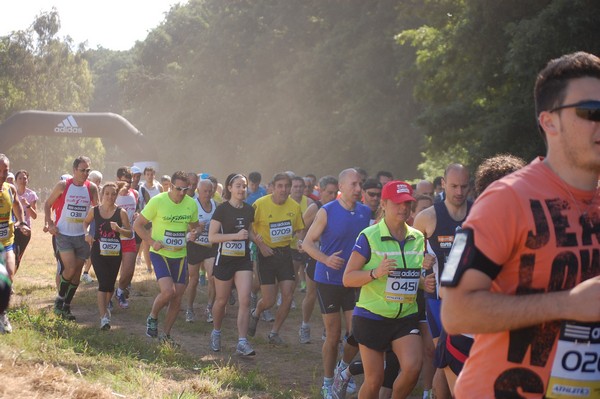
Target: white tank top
(205,217)
(76,203)
(127,202)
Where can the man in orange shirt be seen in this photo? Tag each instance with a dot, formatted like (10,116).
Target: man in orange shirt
(525,278)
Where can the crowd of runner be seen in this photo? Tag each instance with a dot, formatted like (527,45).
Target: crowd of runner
(378,254)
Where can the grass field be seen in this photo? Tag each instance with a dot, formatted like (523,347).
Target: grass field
(46,357)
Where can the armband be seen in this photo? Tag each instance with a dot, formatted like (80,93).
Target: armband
(465,255)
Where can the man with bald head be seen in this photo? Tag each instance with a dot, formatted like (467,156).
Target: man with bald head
(336,226)
(439,223)
(424,187)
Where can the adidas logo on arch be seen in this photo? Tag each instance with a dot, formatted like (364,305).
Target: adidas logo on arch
(68,125)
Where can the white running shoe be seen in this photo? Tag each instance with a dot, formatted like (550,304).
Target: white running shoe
(189,316)
(304,334)
(86,278)
(267,315)
(244,349)
(5,326)
(105,322)
(215,341)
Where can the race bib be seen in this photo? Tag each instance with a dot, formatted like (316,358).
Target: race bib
(173,240)
(76,213)
(4,230)
(402,285)
(576,368)
(109,246)
(280,231)
(234,248)
(203,240)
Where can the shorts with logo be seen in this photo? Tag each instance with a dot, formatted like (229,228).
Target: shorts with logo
(277,267)
(434,317)
(197,253)
(77,244)
(225,271)
(452,351)
(311,265)
(128,246)
(298,256)
(176,268)
(379,334)
(332,298)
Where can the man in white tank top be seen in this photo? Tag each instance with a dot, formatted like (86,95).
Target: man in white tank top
(71,200)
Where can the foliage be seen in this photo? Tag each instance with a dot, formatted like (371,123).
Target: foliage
(39,71)
(477,65)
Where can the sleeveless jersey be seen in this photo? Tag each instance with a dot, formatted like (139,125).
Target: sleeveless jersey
(442,239)
(108,240)
(393,296)
(343,227)
(276,224)
(205,217)
(147,193)
(7,225)
(129,203)
(72,207)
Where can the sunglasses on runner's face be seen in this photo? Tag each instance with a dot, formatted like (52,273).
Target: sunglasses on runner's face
(372,194)
(588,110)
(180,188)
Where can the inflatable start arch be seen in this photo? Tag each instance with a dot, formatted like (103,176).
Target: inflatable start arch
(76,124)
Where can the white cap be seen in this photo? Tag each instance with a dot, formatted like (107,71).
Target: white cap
(10,174)
(135,170)
(66,176)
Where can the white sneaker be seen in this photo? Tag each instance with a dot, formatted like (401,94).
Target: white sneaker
(208,314)
(244,349)
(267,315)
(215,341)
(5,326)
(304,334)
(189,316)
(279,299)
(105,322)
(86,278)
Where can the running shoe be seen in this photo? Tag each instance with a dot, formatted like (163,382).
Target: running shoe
(66,313)
(278,300)
(340,384)
(105,323)
(152,327)
(215,341)
(244,349)
(304,334)
(351,385)
(5,323)
(166,339)
(293,306)
(58,306)
(123,303)
(85,277)
(232,299)
(252,324)
(110,305)
(275,339)
(208,314)
(267,315)
(326,392)
(189,316)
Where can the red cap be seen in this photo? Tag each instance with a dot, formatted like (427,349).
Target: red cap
(397,191)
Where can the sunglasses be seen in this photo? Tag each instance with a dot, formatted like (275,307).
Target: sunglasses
(180,188)
(588,110)
(372,194)
(85,170)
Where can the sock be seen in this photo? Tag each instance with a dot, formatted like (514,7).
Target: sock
(305,324)
(63,287)
(70,293)
(244,339)
(426,394)
(218,332)
(327,382)
(272,333)
(119,291)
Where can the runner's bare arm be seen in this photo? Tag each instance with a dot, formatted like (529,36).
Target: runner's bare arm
(94,191)
(125,229)
(58,189)
(145,235)
(471,307)
(310,245)
(86,223)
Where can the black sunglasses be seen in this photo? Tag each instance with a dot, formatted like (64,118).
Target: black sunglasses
(180,188)
(588,110)
(372,194)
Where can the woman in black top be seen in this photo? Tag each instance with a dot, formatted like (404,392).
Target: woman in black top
(110,222)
